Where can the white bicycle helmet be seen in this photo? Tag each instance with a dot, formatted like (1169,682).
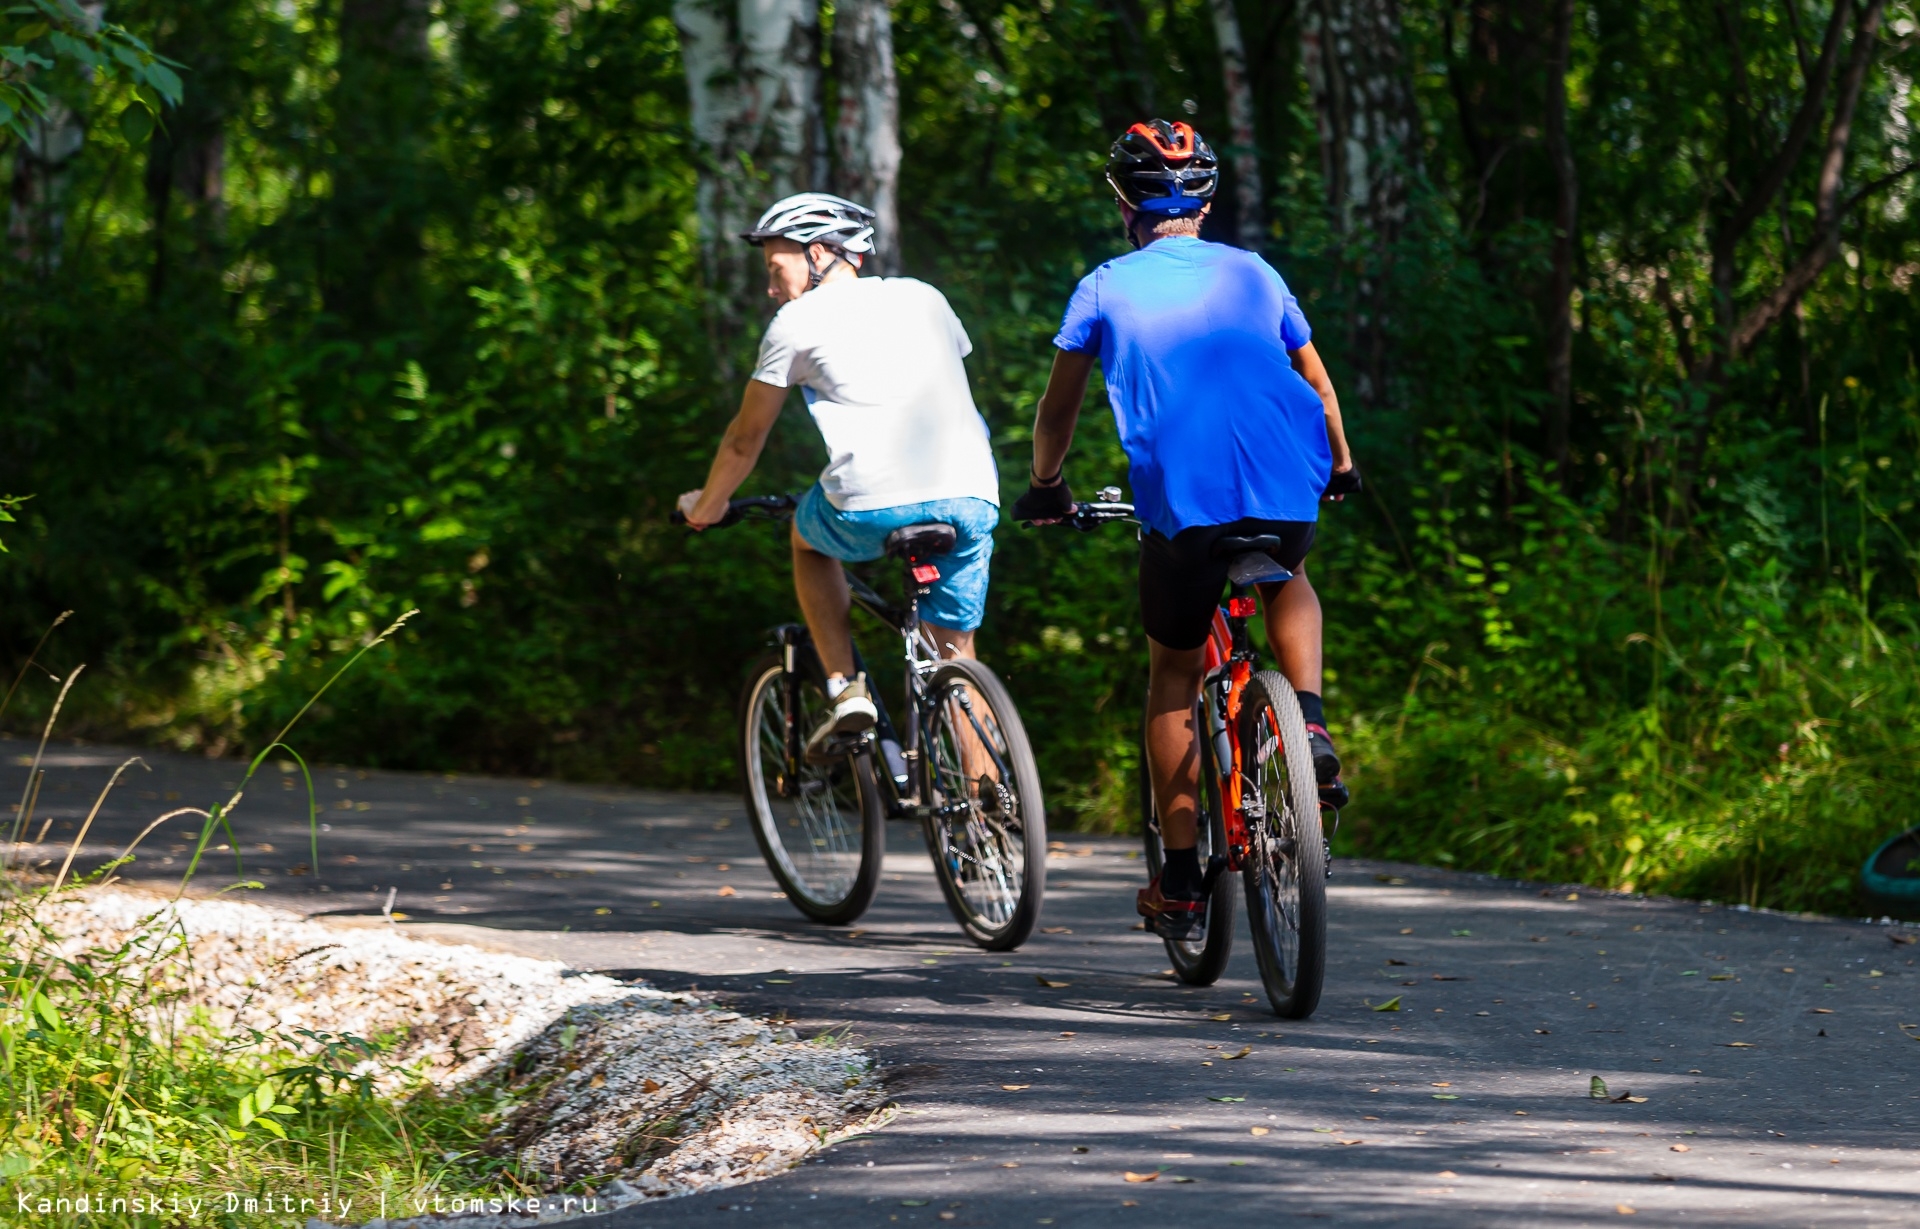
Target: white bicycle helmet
(816,217)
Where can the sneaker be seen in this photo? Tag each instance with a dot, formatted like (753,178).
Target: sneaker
(1183,921)
(853,713)
(1326,761)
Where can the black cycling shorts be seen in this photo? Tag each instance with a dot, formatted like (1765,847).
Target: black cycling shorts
(1180,580)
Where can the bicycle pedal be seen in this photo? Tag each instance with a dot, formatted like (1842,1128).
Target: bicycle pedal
(1335,795)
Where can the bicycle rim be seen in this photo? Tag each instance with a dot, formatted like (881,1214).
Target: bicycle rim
(1285,867)
(815,830)
(985,827)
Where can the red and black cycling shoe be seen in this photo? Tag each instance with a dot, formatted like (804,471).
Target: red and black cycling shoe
(1183,921)
(1326,761)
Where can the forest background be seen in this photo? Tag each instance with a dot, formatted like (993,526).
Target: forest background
(429,303)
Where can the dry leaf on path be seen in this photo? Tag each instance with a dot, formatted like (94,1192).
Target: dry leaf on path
(1392,1004)
(728,891)
(1625,1210)
(1056,930)
(1679,1148)
(1222,1016)
(1261,1130)
(1244,1051)
(1015,1087)
(1146,1177)
(1446,1173)
(1349,1142)
(1737,1045)
(1051,985)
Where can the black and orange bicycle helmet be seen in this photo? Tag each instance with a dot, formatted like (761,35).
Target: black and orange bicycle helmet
(1164,168)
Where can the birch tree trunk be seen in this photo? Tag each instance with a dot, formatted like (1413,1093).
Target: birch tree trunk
(1243,153)
(42,172)
(753,73)
(866,138)
(1363,102)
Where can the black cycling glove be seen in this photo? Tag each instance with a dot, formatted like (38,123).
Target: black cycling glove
(1342,482)
(1044,503)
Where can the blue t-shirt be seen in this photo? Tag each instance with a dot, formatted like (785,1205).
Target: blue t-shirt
(1217,425)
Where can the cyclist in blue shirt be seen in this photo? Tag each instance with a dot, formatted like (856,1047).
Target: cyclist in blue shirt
(1231,428)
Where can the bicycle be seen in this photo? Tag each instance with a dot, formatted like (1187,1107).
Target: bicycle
(1259,799)
(964,768)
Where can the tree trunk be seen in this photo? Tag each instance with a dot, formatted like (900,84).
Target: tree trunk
(1565,219)
(1363,101)
(866,138)
(42,172)
(382,115)
(753,72)
(1243,153)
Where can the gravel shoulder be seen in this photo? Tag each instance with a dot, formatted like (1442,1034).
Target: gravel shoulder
(1780,1083)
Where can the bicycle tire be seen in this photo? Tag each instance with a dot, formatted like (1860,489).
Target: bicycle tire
(823,839)
(1285,868)
(1202,963)
(992,867)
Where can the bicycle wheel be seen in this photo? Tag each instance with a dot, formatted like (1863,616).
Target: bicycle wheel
(985,825)
(1202,963)
(1285,871)
(822,829)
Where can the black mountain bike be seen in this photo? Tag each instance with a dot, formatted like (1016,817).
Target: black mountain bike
(960,765)
(1260,807)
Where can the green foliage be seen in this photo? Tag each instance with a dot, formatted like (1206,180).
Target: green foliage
(58,36)
(440,340)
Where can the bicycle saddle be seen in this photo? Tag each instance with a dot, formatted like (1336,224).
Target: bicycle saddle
(918,543)
(1252,561)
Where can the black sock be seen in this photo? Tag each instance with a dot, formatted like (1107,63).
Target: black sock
(1311,709)
(1180,879)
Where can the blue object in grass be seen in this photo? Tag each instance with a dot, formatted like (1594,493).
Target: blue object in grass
(1891,876)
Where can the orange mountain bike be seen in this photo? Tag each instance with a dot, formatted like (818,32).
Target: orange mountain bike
(1259,801)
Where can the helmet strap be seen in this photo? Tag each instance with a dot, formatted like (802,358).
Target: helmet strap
(816,272)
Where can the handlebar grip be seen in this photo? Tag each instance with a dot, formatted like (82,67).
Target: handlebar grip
(676,517)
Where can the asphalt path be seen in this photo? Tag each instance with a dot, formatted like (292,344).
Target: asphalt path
(1776,1055)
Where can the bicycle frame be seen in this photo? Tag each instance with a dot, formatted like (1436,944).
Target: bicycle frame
(1228,665)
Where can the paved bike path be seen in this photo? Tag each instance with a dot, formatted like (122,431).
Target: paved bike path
(1780,1085)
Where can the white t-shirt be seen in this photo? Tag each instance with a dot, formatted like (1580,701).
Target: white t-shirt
(878,360)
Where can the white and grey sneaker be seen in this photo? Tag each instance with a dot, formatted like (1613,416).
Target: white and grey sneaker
(853,713)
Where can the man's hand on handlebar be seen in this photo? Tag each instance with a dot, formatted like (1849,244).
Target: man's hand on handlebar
(696,517)
(1341,483)
(1044,505)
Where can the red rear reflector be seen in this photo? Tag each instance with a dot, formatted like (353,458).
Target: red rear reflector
(1240,607)
(925,573)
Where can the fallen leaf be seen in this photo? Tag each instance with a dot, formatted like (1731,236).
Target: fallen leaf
(1442,1084)
(1520,1113)
(1226,1098)
(1009,1164)
(599,1080)
(727,890)
(1147,1177)
(1689,972)
(1051,985)
(1241,1053)
(1720,977)
(1446,1173)
(1180,1179)
(1015,1087)
(1069,1033)
(1624,1209)
(1391,960)
(779,981)
(1823,1011)
(1222,1016)
(1875,973)
(650,1086)
(1445,1096)
(913,1203)
(1900,938)
(855,934)
(1543,1031)
(1406,930)
(1055,930)
(1392,1004)
(1596,1088)
(1598,1151)
(1737,1045)
(1260,1130)
(1130,1203)
(1462,934)
(1349,1142)
(1679,1148)
(756,1158)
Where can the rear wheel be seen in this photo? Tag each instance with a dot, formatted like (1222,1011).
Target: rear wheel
(985,825)
(1285,870)
(821,826)
(1202,963)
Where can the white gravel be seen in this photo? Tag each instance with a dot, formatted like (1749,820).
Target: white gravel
(635,1091)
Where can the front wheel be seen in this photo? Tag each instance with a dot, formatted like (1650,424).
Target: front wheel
(985,824)
(821,826)
(1285,868)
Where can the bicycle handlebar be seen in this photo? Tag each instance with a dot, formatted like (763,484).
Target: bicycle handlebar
(1090,514)
(753,508)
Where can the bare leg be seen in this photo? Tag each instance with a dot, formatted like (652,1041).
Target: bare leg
(1173,755)
(1293,629)
(974,760)
(949,641)
(821,584)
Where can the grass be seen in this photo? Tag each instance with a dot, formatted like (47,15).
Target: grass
(124,1100)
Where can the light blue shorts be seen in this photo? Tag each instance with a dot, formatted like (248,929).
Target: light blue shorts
(959,598)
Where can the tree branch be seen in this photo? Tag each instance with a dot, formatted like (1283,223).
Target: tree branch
(1804,120)
(1840,132)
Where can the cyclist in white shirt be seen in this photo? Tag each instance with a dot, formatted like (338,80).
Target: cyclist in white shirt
(878,360)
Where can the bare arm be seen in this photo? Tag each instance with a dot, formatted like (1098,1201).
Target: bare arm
(1058,411)
(739,450)
(1306,361)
